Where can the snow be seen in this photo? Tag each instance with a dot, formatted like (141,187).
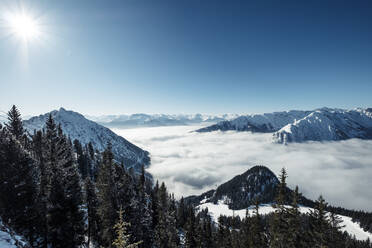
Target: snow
(138,120)
(327,125)
(76,126)
(8,239)
(323,124)
(215,210)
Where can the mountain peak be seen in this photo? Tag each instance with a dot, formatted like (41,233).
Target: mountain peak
(76,126)
(241,191)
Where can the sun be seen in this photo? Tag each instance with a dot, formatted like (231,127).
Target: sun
(23,26)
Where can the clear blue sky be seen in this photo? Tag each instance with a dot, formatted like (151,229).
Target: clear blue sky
(188,56)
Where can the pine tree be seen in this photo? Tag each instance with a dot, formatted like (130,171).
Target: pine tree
(92,205)
(18,185)
(165,231)
(319,224)
(191,235)
(181,214)
(106,198)
(294,223)
(257,231)
(279,226)
(246,230)
(142,215)
(122,236)
(65,217)
(335,222)
(14,125)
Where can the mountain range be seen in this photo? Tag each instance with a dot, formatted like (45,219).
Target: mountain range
(76,126)
(155,120)
(323,124)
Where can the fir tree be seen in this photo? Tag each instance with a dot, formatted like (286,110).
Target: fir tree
(257,231)
(191,234)
(14,125)
(319,224)
(279,226)
(294,223)
(93,219)
(122,237)
(18,185)
(106,198)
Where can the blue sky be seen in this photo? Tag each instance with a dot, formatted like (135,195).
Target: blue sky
(188,56)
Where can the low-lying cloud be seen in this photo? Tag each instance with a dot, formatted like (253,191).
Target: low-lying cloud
(192,163)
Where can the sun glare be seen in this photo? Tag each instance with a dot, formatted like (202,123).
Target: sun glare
(24,26)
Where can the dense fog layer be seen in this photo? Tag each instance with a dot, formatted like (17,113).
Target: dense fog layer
(191,163)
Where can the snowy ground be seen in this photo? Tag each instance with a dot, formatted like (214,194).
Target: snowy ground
(8,239)
(216,210)
(192,163)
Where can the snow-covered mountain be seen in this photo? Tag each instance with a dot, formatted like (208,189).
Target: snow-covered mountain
(323,124)
(328,124)
(76,126)
(154,120)
(236,196)
(263,123)
(241,191)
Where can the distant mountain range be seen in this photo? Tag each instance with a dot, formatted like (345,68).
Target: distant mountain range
(154,120)
(76,126)
(323,124)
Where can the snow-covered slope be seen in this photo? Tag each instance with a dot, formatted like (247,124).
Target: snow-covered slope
(242,190)
(76,126)
(268,122)
(2,117)
(8,239)
(153,120)
(323,124)
(215,210)
(328,124)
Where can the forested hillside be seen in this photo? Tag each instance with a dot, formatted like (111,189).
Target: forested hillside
(57,192)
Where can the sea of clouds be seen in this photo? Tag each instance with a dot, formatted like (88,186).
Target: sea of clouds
(192,163)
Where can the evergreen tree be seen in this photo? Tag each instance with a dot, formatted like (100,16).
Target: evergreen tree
(294,223)
(14,125)
(181,214)
(65,217)
(142,215)
(257,231)
(279,226)
(165,232)
(319,224)
(335,222)
(92,205)
(106,198)
(18,185)
(122,237)
(191,234)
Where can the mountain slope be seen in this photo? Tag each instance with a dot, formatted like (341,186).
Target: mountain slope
(323,124)
(215,210)
(76,126)
(234,197)
(264,123)
(9,239)
(241,191)
(328,124)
